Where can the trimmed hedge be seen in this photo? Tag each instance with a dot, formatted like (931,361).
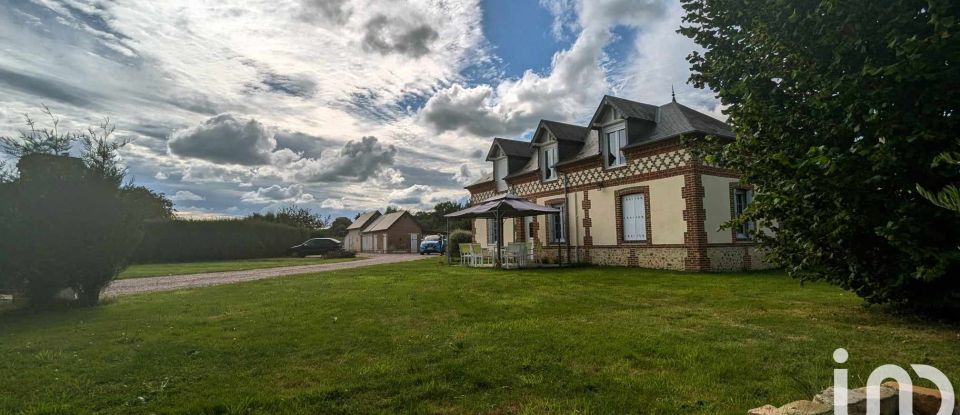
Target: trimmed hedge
(208,240)
(456,238)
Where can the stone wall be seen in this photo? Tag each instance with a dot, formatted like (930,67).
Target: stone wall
(670,258)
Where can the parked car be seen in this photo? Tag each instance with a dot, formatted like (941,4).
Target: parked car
(433,244)
(316,246)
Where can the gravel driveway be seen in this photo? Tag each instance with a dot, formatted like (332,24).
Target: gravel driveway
(177,282)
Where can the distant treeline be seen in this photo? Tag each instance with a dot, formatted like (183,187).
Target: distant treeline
(207,240)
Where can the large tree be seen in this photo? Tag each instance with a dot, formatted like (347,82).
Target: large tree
(840,108)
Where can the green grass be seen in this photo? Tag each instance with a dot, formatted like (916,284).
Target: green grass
(422,337)
(181,268)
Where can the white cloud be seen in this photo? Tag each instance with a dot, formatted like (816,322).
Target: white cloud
(278,194)
(332,204)
(185,195)
(160,176)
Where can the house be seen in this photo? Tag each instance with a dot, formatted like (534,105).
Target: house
(354,242)
(392,232)
(630,192)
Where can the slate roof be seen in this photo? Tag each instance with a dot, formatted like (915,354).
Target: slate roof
(675,119)
(564,131)
(514,148)
(363,219)
(629,109)
(385,222)
(664,121)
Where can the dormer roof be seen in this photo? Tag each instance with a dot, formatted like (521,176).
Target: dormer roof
(508,148)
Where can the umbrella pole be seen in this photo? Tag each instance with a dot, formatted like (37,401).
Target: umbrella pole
(447,243)
(499,263)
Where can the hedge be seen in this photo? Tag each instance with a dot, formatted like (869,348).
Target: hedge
(206,240)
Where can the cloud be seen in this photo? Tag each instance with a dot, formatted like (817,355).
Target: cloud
(386,35)
(278,194)
(185,195)
(326,11)
(160,176)
(226,139)
(46,88)
(578,78)
(413,195)
(332,204)
(355,161)
(465,176)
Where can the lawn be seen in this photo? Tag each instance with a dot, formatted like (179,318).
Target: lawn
(426,338)
(180,268)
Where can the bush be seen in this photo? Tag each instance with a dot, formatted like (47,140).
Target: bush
(456,238)
(64,226)
(210,240)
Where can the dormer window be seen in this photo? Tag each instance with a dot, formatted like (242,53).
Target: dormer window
(548,156)
(500,170)
(614,139)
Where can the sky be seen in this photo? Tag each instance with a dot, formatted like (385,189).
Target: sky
(339,106)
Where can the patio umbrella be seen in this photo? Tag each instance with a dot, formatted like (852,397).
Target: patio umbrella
(499,207)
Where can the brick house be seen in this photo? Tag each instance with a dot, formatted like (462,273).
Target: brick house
(630,193)
(391,233)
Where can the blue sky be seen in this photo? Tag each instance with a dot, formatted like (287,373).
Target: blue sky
(340,106)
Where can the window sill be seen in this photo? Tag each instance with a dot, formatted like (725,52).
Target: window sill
(617,167)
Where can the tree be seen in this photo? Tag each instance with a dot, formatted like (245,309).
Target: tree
(838,114)
(294,216)
(150,205)
(949,196)
(38,140)
(66,222)
(100,152)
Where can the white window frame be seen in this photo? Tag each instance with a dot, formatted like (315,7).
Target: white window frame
(528,228)
(551,224)
(548,165)
(620,132)
(641,198)
(739,206)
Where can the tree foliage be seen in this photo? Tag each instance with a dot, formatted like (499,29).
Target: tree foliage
(68,222)
(294,216)
(839,108)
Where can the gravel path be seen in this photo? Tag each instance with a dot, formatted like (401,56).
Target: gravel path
(177,282)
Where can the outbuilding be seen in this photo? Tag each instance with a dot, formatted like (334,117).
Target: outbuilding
(393,232)
(354,240)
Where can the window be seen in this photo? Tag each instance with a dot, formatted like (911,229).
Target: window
(613,150)
(500,173)
(528,228)
(634,211)
(741,199)
(555,227)
(549,164)
(492,231)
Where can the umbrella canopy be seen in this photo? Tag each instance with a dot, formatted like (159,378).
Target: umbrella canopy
(503,206)
(499,207)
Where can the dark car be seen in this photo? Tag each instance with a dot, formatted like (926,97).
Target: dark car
(316,246)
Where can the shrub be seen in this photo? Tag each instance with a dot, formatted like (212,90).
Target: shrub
(340,254)
(65,227)
(456,238)
(210,240)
